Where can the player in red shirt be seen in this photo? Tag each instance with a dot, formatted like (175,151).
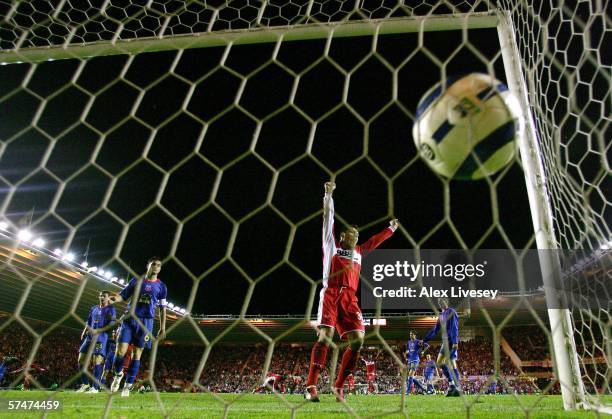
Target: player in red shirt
(275,382)
(338,305)
(350,383)
(370,370)
(30,374)
(370,374)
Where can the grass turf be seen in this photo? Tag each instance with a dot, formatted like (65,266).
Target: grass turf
(179,405)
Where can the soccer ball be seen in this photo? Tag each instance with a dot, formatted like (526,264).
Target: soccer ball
(466,126)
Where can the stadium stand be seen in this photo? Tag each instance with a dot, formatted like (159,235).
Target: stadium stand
(232,368)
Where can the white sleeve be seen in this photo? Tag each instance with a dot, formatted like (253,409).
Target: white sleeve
(329,243)
(328,219)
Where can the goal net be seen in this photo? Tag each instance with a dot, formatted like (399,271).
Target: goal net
(202,132)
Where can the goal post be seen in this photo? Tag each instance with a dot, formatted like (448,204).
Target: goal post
(590,235)
(258,35)
(565,354)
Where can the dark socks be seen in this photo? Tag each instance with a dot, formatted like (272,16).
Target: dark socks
(97,372)
(132,371)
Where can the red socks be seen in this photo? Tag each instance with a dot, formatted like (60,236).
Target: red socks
(318,356)
(347,366)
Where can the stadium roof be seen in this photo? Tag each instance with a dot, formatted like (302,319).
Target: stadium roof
(41,286)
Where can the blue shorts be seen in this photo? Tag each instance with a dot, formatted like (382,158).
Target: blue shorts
(413,364)
(130,331)
(453,353)
(429,377)
(100,345)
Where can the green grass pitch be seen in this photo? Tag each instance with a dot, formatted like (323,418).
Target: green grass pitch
(178,405)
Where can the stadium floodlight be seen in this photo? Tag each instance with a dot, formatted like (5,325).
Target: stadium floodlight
(183,311)
(108,275)
(93,269)
(170,306)
(38,242)
(114,279)
(57,252)
(3,225)
(68,257)
(121,281)
(379,322)
(84,264)
(24,235)
(101,272)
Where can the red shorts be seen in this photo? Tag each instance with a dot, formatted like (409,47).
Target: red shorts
(339,308)
(371,376)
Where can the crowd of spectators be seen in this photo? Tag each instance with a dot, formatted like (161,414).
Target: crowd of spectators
(488,385)
(530,342)
(239,368)
(55,355)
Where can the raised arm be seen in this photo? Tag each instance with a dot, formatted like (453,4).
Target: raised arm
(377,239)
(329,242)
(328,214)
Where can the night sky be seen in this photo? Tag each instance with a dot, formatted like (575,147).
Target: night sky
(108,144)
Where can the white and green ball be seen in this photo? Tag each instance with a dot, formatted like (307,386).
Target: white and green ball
(466,126)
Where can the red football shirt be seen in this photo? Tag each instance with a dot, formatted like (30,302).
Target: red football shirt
(341,267)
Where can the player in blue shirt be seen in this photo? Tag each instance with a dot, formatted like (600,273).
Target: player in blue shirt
(428,373)
(101,318)
(413,356)
(137,327)
(449,322)
(4,366)
(492,387)
(3,369)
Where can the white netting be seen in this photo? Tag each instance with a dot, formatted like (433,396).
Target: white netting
(568,74)
(132,155)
